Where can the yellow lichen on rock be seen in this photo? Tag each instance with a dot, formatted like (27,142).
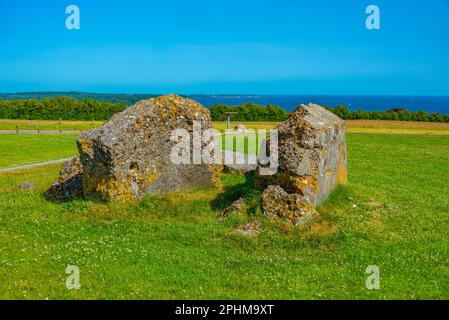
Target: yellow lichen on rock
(216,170)
(306,185)
(86,146)
(342,174)
(108,188)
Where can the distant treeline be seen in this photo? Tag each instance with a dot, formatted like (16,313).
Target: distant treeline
(255,112)
(127,99)
(69,108)
(248,112)
(64,108)
(393,114)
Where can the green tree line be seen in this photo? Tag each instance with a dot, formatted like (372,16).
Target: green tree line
(68,108)
(393,114)
(254,112)
(64,108)
(248,112)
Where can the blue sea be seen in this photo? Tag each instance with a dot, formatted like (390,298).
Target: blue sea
(367,103)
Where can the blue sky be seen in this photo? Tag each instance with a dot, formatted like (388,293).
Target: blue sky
(226,46)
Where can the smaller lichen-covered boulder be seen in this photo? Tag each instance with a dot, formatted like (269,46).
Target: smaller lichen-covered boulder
(70,183)
(237,207)
(312,154)
(292,208)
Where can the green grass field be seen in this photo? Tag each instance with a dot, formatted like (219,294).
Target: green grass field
(394,213)
(21,149)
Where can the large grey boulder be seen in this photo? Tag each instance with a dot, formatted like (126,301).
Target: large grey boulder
(312,154)
(129,156)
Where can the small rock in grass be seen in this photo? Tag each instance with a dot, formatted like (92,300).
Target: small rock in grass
(26,185)
(251,229)
(236,207)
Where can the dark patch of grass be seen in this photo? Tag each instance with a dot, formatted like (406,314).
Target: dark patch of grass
(236,187)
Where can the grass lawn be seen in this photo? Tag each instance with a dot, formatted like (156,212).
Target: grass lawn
(394,213)
(21,149)
(248,143)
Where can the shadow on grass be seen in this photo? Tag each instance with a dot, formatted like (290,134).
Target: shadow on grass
(68,191)
(237,187)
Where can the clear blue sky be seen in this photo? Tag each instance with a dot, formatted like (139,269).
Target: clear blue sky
(226,46)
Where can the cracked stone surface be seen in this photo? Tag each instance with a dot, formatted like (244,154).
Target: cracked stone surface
(312,154)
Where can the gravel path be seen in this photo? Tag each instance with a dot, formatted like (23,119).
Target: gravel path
(34,165)
(39,132)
